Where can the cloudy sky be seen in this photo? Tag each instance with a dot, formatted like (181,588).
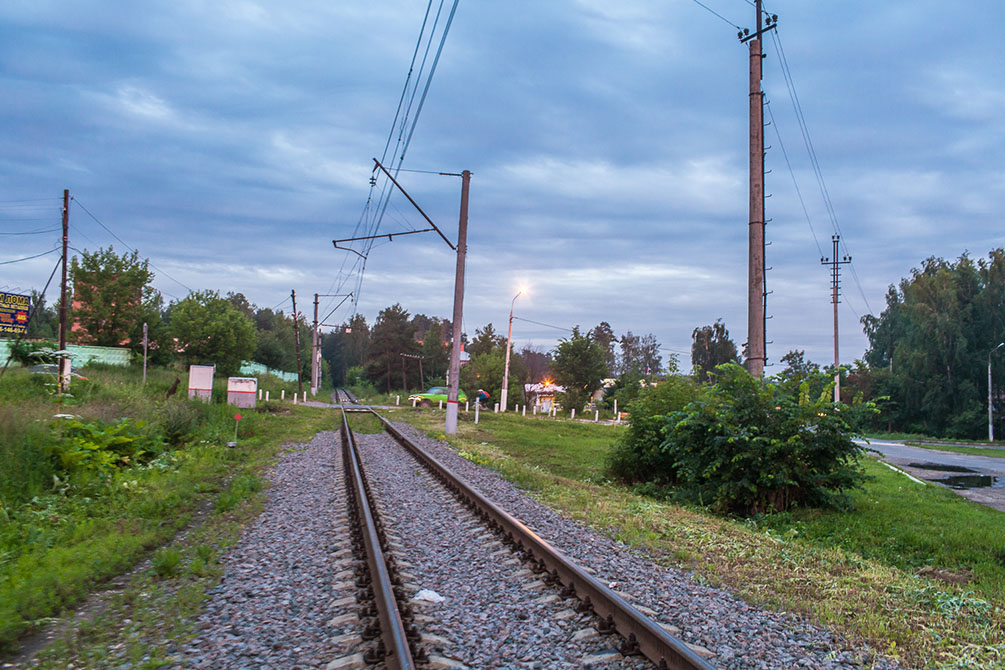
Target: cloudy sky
(230,142)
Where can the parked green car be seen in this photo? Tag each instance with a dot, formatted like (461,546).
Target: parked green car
(434,395)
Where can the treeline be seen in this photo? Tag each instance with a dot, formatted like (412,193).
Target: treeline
(113,298)
(930,348)
(400,351)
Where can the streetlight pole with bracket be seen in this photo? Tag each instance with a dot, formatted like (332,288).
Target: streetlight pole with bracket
(991,427)
(504,393)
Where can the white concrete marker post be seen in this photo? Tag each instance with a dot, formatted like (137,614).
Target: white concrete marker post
(596,416)
(414,400)
(259,394)
(441,404)
(397,400)
(573,415)
(525,410)
(496,408)
(266,396)
(466,402)
(282,394)
(477,405)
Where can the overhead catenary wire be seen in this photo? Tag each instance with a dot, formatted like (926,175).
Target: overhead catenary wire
(400,135)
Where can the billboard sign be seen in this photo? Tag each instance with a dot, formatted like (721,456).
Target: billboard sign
(14,312)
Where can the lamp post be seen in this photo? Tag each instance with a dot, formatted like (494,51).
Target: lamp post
(991,427)
(509,338)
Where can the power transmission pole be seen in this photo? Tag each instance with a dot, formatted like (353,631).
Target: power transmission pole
(64,360)
(756,286)
(450,427)
(296,338)
(835,292)
(316,353)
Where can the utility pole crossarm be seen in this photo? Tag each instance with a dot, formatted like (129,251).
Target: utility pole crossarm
(414,204)
(836,264)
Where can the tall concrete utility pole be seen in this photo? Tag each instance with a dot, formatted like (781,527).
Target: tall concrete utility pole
(296,338)
(835,293)
(756,288)
(316,353)
(64,360)
(450,427)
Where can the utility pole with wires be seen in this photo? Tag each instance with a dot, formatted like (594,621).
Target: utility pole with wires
(756,286)
(836,264)
(296,338)
(453,373)
(64,360)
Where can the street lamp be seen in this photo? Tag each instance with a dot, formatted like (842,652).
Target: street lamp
(509,338)
(991,427)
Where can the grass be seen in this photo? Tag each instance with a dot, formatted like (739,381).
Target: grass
(63,533)
(915,571)
(993,452)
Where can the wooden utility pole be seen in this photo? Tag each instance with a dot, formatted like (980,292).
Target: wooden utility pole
(450,427)
(296,338)
(835,293)
(64,360)
(316,353)
(756,290)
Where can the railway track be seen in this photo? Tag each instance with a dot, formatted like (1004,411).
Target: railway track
(571,595)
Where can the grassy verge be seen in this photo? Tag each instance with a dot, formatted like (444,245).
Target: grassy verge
(64,534)
(914,570)
(992,452)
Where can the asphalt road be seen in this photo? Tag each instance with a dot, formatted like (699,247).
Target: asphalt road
(907,457)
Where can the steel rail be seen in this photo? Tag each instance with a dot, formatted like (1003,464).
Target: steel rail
(641,633)
(393,634)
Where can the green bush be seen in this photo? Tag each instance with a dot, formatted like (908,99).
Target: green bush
(32,353)
(747,448)
(100,448)
(637,456)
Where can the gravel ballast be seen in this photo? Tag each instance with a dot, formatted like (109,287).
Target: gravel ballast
(740,635)
(273,605)
(286,598)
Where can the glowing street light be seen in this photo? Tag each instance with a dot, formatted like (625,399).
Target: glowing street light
(503,395)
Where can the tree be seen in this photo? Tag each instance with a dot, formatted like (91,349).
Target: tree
(797,370)
(928,349)
(640,356)
(485,341)
(44,319)
(112,297)
(580,366)
(391,337)
(210,330)
(711,347)
(603,335)
(537,365)
(435,351)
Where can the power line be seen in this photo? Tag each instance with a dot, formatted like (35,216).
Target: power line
(712,11)
(795,184)
(814,162)
(546,325)
(28,258)
(34,232)
(108,230)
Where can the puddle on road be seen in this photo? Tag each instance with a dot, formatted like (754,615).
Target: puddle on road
(941,467)
(971,480)
(963,482)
